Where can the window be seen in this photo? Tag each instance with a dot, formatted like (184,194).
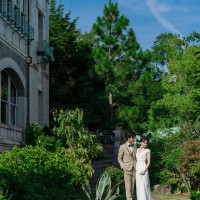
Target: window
(9,9)
(23,12)
(40,27)
(8,99)
(22,6)
(16,2)
(1,6)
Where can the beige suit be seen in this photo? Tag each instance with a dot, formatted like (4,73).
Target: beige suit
(127,161)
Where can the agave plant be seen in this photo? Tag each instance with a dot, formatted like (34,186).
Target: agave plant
(103,189)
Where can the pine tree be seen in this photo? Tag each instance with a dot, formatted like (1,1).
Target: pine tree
(120,61)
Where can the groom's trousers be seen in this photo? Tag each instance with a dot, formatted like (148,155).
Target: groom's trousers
(129,179)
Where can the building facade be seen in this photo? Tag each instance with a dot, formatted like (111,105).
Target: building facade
(24,67)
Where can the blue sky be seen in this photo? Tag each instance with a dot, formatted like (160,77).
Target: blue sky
(148,18)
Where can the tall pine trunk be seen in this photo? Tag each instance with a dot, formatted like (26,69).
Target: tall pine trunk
(110,94)
(111,106)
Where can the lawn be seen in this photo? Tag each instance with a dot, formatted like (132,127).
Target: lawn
(157,196)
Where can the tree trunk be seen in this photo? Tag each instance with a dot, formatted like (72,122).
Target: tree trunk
(184,179)
(118,132)
(111,106)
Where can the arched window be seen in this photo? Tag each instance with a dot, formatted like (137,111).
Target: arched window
(8,99)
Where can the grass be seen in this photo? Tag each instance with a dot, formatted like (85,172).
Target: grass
(157,196)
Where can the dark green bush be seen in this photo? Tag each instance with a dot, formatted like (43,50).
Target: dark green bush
(4,196)
(42,136)
(117,176)
(33,173)
(55,164)
(195,195)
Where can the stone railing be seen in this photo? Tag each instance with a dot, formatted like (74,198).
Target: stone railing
(10,136)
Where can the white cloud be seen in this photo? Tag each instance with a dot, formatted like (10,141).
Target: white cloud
(156,10)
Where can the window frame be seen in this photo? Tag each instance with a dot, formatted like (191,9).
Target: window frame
(9,102)
(16,3)
(23,9)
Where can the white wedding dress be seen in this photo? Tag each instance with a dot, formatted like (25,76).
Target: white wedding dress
(142,181)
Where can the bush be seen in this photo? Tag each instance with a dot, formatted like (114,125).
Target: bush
(195,195)
(35,173)
(117,177)
(175,161)
(54,164)
(4,197)
(157,147)
(190,164)
(41,135)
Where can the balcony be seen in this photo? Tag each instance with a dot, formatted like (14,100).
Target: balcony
(45,50)
(16,21)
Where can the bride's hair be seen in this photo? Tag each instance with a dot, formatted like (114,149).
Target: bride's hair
(143,139)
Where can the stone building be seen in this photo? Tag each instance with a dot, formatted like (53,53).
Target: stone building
(24,67)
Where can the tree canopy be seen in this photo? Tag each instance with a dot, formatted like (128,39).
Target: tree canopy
(124,68)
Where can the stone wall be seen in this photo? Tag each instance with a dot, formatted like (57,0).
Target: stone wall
(10,136)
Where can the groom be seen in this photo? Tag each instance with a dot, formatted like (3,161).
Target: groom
(127,161)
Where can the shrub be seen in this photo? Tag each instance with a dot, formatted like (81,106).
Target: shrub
(4,197)
(79,143)
(117,177)
(41,135)
(189,165)
(55,164)
(176,161)
(195,195)
(35,173)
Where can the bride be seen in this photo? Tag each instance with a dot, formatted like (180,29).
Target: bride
(142,175)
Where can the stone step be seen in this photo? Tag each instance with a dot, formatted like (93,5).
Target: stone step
(101,164)
(105,151)
(110,155)
(98,171)
(108,146)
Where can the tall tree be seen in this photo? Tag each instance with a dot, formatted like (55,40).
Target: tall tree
(123,66)
(62,36)
(73,81)
(180,104)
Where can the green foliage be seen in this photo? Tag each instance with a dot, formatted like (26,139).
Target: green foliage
(124,68)
(73,81)
(42,136)
(117,177)
(36,173)
(190,164)
(175,160)
(195,195)
(157,164)
(4,197)
(101,157)
(80,143)
(178,110)
(54,164)
(180,104)
(104,190)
